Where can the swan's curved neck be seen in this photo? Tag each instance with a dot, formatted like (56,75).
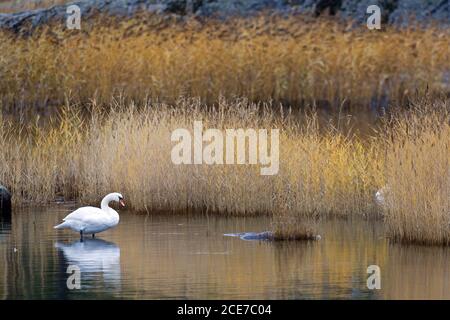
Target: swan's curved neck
(105,202)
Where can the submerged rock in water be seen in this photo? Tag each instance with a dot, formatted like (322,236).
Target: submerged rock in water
(266,235)
(5,201)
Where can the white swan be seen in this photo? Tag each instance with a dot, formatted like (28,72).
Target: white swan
(92,220)
(380,196)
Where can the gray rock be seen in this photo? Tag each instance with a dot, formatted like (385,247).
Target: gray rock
(397,12)
(422,10)
(5,201)
(88,8)
(262,236)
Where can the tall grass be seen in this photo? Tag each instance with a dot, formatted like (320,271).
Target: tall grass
(129,148)
(292,60)
(418,177)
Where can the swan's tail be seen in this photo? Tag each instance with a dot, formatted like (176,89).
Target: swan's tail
(61,226)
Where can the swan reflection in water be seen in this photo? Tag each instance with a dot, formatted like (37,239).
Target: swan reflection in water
(96,259)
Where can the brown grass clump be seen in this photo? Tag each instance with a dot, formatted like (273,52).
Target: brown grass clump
(264,58)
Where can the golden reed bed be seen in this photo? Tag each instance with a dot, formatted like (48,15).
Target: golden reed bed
(322,171)
(294,60)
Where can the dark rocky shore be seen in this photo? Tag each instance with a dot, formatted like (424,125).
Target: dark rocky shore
(398,12)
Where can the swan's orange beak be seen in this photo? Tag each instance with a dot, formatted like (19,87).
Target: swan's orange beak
(122,203)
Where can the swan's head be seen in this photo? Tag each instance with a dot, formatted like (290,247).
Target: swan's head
(119,198)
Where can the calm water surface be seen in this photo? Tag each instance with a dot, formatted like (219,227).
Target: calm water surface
(177,257)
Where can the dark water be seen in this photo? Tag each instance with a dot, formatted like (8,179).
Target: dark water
(165,257)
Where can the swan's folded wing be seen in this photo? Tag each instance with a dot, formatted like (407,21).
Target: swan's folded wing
(85,214)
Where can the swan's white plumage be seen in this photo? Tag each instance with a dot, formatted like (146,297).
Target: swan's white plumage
(380,195)
(90,220)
